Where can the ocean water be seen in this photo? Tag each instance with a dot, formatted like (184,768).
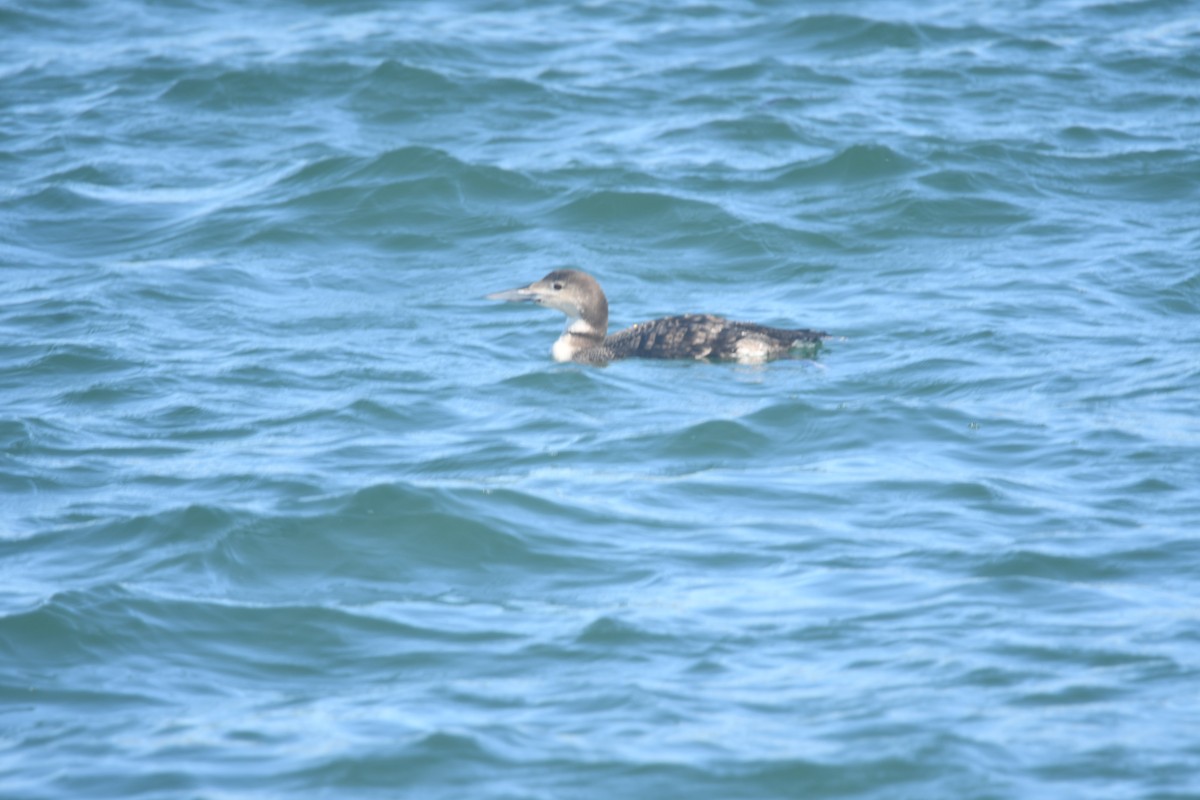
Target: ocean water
(287,509)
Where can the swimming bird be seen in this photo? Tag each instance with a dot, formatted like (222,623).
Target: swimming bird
(697,336)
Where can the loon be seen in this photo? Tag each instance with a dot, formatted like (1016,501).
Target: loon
(697,336)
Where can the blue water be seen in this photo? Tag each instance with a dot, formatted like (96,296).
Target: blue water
(290,510)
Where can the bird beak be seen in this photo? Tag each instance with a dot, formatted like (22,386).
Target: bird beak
(526,294)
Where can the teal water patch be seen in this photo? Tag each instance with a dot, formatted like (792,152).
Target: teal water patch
(290,509)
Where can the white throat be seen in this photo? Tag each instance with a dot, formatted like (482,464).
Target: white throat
(568,345)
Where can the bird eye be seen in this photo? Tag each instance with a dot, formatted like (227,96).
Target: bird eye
(557,286)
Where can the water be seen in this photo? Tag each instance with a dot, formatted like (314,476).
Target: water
(289,510)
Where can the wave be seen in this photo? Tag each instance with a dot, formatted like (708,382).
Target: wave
(640,210)
(251,89)
(855,164)
(851,33)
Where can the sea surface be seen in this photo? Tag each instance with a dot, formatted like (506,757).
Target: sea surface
(288,509)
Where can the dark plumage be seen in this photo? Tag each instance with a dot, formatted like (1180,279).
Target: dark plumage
(704,336)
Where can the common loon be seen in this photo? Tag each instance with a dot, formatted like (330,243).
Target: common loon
(698,336)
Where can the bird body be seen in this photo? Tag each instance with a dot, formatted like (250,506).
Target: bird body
(695,336)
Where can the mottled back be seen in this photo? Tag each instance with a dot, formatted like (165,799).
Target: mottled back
(699,336)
